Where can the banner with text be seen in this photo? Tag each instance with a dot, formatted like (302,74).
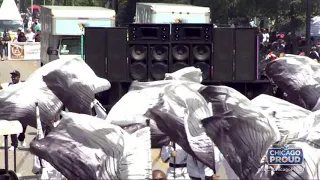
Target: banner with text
(24,51)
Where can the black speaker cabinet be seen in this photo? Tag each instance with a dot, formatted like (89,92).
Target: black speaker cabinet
(191,32)
(180,56)
(191,45)
(148,54)
(105,52)
(246,60)
(223,54)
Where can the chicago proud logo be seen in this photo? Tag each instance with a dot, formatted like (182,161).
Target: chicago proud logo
(285,156)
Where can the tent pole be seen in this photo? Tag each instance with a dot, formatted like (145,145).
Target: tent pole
(32,6)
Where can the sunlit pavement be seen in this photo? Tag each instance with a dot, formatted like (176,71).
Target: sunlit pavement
(24,157)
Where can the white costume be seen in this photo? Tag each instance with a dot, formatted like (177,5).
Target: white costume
(198,170)
(265,171)
(179,167)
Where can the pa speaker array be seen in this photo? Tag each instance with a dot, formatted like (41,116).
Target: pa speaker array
(146,52)
(148,55)
(191,45)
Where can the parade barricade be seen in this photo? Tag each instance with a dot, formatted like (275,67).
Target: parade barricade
(23,50)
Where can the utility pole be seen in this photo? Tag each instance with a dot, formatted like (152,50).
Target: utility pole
(32,7)
(115,5)
(293,28)
(308,24)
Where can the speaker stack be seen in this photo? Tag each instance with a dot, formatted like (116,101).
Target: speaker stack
(235,55)
(145,52)
(246,55)
(191,45)
(223,54)
(148,51)
(105,52)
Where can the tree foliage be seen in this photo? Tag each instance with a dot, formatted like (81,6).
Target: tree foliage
(286,13)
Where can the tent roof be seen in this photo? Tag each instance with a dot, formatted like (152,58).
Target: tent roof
(9,11)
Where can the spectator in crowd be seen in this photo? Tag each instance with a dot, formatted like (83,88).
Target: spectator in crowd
(15,39)
(30,24)
(260,36)
(265,35)
(30,35)
(15,79)
(37,37)
(314,54)
(281,51)
(22,37)
(36,26)
(158,175)
(25,22)
(4,32)
(6,38)
(273,36)
(300,52)
(1,48)
(270,56)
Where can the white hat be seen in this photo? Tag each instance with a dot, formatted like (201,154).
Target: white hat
(20,28)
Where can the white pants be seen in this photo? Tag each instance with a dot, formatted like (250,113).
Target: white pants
(221,162)
(180,173)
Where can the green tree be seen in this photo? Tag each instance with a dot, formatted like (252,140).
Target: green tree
(287,14)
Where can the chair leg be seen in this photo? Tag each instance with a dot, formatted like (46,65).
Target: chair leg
(6,153)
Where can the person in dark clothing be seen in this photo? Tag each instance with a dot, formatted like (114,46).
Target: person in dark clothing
(37,37)
(1,48)
(260,36)
(4,32)
(273,36)
(15,78)
(22,37)
(314,54)
(6,38)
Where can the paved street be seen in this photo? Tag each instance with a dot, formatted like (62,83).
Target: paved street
(25,67)
(24,158)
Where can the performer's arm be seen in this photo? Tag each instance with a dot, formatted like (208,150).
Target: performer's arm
(165,153)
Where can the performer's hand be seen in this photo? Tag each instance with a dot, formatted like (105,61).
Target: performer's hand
(173,153)
(215,177)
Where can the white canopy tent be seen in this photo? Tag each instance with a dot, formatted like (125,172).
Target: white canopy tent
(9,11)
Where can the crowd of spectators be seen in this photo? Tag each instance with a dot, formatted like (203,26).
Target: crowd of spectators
(31,34)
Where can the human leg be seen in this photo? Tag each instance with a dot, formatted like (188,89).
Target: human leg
(22,136)
(14,141)
(6,50)
(1,51)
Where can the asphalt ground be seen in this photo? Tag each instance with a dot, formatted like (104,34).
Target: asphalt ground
(25,67)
